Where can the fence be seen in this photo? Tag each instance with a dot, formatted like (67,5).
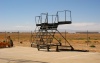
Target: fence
(25,37)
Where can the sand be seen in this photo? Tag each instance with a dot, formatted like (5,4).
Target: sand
(19,54)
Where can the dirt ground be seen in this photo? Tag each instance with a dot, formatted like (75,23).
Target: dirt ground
(22,52)
(19,54)
(77,46)
(78,41)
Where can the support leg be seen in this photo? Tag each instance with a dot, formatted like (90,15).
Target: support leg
(57,49)
(38,47)
(48,48)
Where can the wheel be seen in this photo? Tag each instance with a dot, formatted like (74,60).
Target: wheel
(38,47)
(31,45)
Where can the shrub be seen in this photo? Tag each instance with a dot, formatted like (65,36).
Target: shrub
(92,46)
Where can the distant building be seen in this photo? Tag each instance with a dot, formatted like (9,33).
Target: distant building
(88,32)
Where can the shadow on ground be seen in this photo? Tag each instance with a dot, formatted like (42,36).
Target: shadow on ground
(74,50)
(62,50)
(8,60)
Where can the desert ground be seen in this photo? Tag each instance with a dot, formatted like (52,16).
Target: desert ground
(23,53)
(78,41)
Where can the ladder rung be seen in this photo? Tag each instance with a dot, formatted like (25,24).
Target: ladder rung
(47,38)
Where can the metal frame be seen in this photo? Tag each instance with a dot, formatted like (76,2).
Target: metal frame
(46,31)
(65,14)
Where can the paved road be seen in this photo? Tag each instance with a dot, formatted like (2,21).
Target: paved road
(31,55)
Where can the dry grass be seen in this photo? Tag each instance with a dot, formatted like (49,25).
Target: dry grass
(78,41)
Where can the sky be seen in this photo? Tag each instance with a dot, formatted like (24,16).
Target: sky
(19,15)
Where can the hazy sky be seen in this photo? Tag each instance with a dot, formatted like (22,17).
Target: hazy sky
(20,14)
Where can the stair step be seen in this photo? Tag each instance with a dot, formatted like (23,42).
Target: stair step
(47,38)
(43,35)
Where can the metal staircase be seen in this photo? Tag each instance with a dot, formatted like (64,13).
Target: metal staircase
(45,31)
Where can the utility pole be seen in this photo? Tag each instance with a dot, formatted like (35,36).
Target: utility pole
(65,37)
(87,37)
(18,36)
(5,36)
